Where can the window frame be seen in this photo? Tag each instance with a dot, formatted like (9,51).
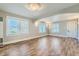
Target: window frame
(42,27)
(19,26)
(55,28)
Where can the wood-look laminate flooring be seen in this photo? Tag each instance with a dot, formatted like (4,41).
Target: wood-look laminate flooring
(45,46)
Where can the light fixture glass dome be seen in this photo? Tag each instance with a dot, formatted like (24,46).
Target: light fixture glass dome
(34,6)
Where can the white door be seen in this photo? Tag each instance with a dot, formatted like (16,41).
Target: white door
(1,27)
(78,29)
(72,28)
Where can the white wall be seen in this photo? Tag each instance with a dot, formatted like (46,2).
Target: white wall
(33,32)
(63,31)
(63,19)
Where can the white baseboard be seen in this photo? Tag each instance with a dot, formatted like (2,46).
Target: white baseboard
(62,36)
(29,38)
(58,35)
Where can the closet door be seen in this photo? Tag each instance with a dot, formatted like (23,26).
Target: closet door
(72,28)
(78,29)
(1,31)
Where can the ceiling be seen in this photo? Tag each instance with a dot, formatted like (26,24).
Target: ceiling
(48,10)
(60,17)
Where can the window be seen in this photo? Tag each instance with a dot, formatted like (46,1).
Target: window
(24,26)
(42,27)
(55,28)
(16,26)
(12,26)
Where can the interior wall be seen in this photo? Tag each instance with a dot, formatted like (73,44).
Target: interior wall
(33,32)
(63,31)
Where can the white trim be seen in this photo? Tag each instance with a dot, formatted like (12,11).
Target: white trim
(29,38)
(58,35)
(61,36)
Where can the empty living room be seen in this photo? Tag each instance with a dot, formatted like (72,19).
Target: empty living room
(39,29)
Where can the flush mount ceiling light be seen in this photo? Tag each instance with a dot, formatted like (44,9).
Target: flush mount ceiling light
(34,6)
